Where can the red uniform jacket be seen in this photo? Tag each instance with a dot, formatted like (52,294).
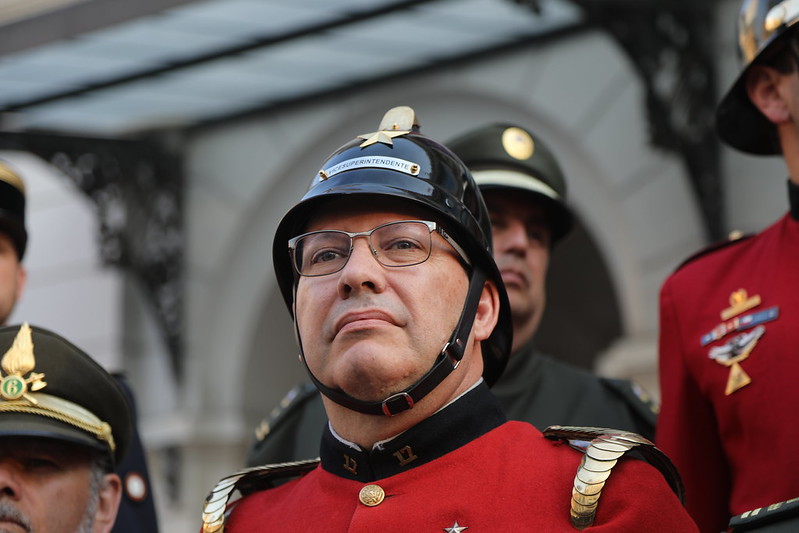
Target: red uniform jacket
(735,446)
(462,468)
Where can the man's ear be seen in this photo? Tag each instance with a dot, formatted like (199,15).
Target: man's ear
(763,89)
(22,278)
(108,504)
(487,311)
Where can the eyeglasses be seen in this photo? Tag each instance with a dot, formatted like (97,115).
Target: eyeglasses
(395,244)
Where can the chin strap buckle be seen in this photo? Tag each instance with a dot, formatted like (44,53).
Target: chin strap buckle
(394,404)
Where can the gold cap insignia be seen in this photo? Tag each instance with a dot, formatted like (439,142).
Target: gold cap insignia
(18,361)
(396,122)
(10,177)
(17,392)
(518,143)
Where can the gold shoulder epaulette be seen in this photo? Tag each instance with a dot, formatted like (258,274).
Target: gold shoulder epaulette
(246,482)
(602,449)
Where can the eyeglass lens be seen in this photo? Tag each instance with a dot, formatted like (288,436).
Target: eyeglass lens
(394,244)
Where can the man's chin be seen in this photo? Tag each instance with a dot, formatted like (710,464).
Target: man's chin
(518,299)
(370,377)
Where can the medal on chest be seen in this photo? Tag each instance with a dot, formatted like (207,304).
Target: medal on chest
(738,348)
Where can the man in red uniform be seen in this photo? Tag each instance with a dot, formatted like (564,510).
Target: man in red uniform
(403,322)
(727,325)
(525,192)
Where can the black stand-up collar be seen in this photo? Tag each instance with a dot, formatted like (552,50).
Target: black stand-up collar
(793,198)
(477,412)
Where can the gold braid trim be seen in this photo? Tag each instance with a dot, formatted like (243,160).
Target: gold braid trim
(42,404)
(248,480)
(10,177)
(602,453)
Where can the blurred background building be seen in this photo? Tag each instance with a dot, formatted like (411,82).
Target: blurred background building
(162,140)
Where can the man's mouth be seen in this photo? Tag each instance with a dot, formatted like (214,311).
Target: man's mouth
(11,515)
(513,277)
(356,319)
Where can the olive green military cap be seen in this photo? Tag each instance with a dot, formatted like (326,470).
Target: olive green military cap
(507,156)
(12,208)
(50,388)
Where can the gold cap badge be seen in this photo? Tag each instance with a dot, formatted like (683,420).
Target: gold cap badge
(18,361)
(518,143)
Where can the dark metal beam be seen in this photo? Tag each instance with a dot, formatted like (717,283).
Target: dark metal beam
(372,83)
(71,21)
(253,44)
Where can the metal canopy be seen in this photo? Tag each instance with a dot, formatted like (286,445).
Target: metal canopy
(205,60)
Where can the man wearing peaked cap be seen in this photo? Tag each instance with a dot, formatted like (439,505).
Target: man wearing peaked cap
(12,208)
(525,192)
(728,328)
(13,239)
(137,510)
(64,424)
(403,324)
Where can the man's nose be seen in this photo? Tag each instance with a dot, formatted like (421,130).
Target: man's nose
(362,270)
(9,479)
(512,237)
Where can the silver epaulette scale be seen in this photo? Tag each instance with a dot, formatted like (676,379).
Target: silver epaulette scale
(247,481)
(602,449)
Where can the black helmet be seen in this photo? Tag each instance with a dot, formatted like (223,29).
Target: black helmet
(763,26)
(506,156)
(398,162)
(12,208)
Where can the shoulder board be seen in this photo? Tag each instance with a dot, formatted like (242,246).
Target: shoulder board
(246,482)
(634,395)
(292,400)
(734,237)
(602,448)
(784,516)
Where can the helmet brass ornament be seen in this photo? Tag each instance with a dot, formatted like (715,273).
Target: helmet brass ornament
(764,29)
(396,122)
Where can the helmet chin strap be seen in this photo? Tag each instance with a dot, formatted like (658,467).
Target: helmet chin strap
(447,361)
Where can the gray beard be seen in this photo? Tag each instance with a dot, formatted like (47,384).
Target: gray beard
(9,512)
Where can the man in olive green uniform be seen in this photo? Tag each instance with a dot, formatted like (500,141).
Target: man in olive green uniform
(525,191)
(64,423)
(136,511)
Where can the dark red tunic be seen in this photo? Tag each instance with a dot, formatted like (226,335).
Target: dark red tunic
(735,451)
(465,467)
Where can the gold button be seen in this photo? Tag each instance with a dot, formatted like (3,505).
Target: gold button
(372,495)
